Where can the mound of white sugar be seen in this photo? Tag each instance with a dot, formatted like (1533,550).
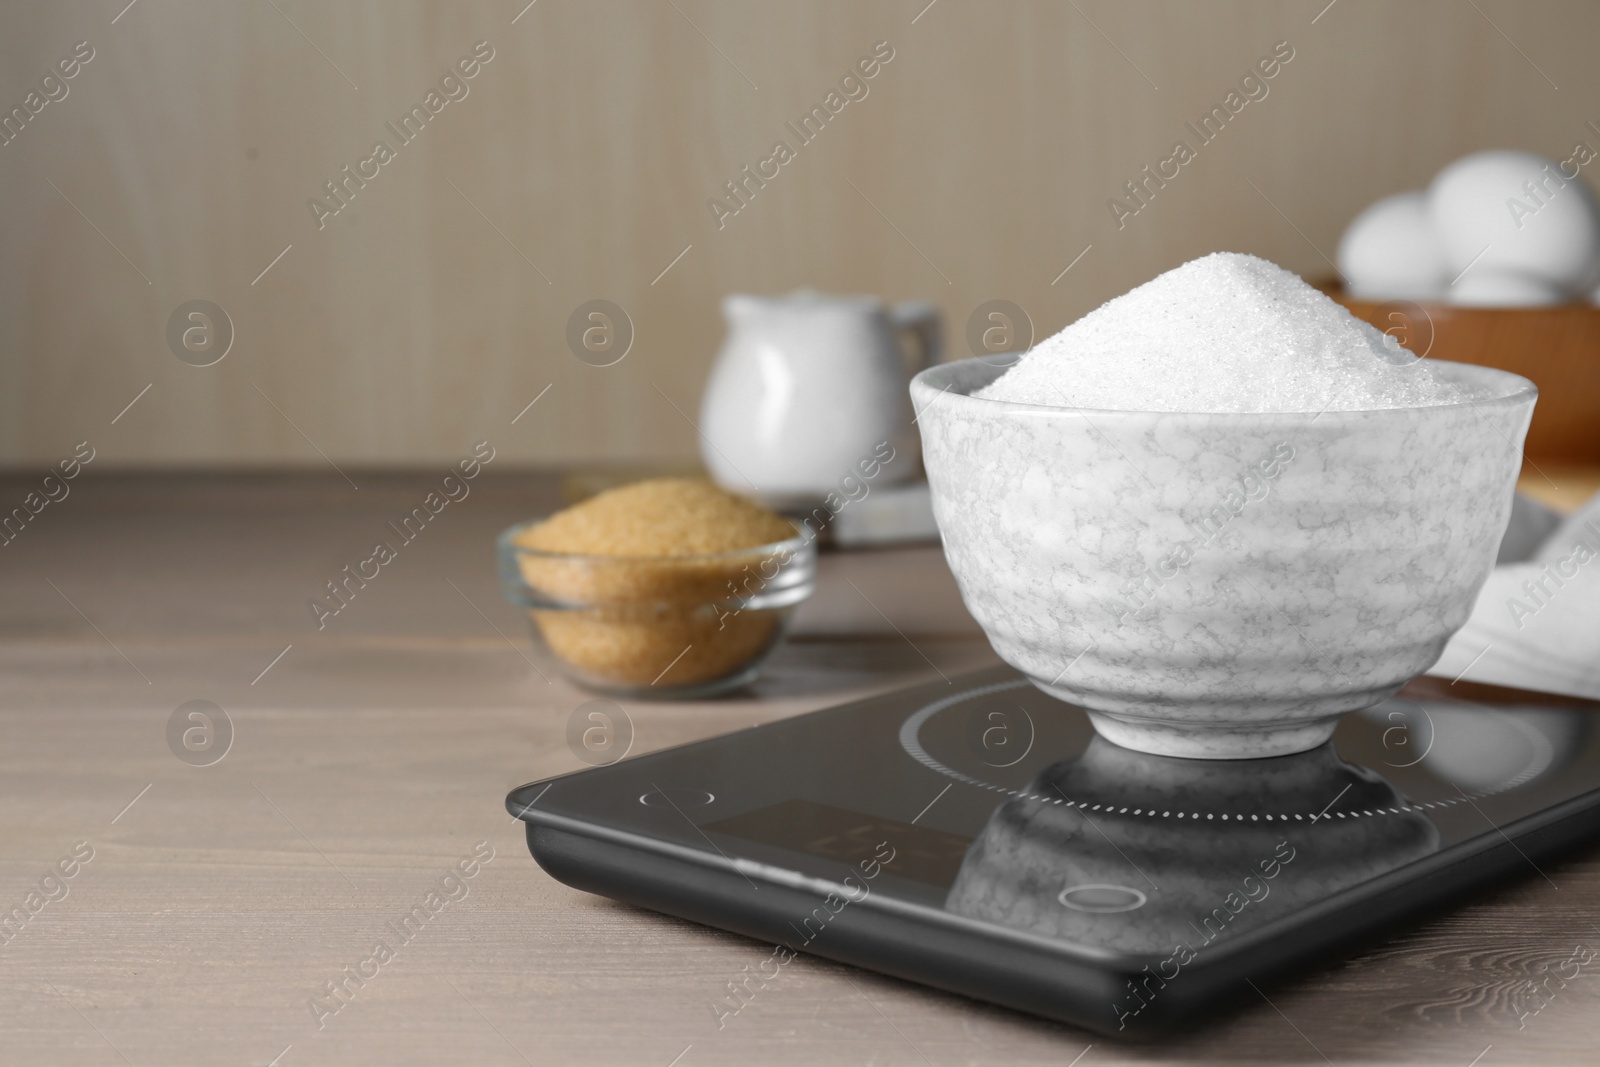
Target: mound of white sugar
(1226,332)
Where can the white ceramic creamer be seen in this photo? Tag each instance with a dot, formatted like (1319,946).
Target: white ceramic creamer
(806,387)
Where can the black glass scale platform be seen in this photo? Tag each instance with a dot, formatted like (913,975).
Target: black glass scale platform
(978,836)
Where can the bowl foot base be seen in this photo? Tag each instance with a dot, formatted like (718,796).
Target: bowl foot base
(1199,741)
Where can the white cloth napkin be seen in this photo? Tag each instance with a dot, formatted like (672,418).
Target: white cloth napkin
(1536,624)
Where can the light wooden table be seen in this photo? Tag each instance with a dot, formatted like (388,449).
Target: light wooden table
(370,757)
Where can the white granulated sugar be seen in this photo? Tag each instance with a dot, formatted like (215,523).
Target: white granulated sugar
(1224,333)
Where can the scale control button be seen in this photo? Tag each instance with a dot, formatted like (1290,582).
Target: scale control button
(1101,898)
(683,798)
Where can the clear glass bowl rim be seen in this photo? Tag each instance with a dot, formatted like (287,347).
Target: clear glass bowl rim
(795,545)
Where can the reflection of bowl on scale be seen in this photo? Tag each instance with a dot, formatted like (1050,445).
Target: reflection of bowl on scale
(1252,839)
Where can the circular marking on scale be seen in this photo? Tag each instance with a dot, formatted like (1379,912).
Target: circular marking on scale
(909,729)
(911,743)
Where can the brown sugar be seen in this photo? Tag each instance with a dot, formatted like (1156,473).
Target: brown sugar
(645,580)
(659,517)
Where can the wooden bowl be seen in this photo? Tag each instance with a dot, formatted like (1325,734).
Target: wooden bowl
(1557,347)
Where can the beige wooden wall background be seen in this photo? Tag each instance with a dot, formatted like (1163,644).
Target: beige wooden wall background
(180,163)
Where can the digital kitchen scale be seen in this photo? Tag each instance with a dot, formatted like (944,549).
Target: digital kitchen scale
(978,836)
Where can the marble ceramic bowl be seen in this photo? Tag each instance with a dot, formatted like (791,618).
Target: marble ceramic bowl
(1221,586)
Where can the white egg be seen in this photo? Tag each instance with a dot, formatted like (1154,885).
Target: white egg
(1486,287)
(1515,211)
(1390,252)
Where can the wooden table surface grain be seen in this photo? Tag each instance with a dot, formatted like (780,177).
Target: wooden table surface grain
(370,758)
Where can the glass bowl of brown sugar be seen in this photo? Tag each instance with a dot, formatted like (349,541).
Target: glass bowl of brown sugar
(667,588)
